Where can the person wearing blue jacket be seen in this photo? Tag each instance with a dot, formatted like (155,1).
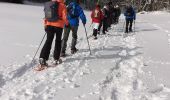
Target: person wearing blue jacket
(130,16)
(74,13)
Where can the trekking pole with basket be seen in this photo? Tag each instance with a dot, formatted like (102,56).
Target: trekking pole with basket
(124,26)
(90,25)
(87,39)
(89,30)
(38,48)
(134,27)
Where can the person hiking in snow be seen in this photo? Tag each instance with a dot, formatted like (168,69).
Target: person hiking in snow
(117,14)
(105,19)
(130,16)
(74,13)
(53,27)
(97,17)
(111,13)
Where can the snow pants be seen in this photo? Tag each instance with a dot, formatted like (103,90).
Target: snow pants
(104,24)
(128,25)
(95,28)
(67,30)
(51,32)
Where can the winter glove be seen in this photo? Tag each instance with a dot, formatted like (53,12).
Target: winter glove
(66,25)
(45,27)
(84,23)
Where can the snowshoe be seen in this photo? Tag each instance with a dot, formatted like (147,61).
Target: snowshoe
(74,50)
(40,67)
(43,65)
(126,31)
(104,33)
(59,61)
(63,55)
(95,38)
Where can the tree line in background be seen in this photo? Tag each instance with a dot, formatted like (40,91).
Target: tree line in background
(140,5)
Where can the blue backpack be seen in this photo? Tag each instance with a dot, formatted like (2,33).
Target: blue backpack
(72,11)
(51,11)
(129,11)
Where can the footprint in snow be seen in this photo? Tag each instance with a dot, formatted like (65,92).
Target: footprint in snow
(24,92)
(61,87)
(132,53)
(123,53)
(40,88)
(2,81)
(67,80)
(75,86)
(28,92)
(85,73)
(94,93)
(158,89)
(80,96)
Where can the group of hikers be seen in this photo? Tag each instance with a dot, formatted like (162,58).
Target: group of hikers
(59,17)
(105,16)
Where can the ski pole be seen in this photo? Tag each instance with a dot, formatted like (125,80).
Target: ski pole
(89,29)
(90,25)
(134,27)
(124,25)
(87,39)
(38,48)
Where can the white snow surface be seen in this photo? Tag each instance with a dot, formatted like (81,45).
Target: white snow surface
(121,67)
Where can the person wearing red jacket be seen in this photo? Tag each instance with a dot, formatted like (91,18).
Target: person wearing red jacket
(96,17)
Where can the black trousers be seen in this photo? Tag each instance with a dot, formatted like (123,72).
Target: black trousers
(51,32)
(67,30)
(104,24)
(95,32)
(128,25)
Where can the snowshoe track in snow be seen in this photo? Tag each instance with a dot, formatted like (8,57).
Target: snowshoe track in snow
(112,72)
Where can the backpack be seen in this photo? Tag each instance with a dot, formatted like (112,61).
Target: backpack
(129,11)
(72,11)
(51,11)
(96,13)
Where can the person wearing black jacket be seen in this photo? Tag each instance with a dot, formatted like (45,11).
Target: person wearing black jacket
(105,19)
(130,16)
(117,14)
(110,14)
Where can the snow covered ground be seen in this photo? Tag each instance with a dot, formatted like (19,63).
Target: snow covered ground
(133,67)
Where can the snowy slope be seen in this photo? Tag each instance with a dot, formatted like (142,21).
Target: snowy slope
(114,71)
(153,36)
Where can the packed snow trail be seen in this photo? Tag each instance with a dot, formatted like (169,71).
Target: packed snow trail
(112,72)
